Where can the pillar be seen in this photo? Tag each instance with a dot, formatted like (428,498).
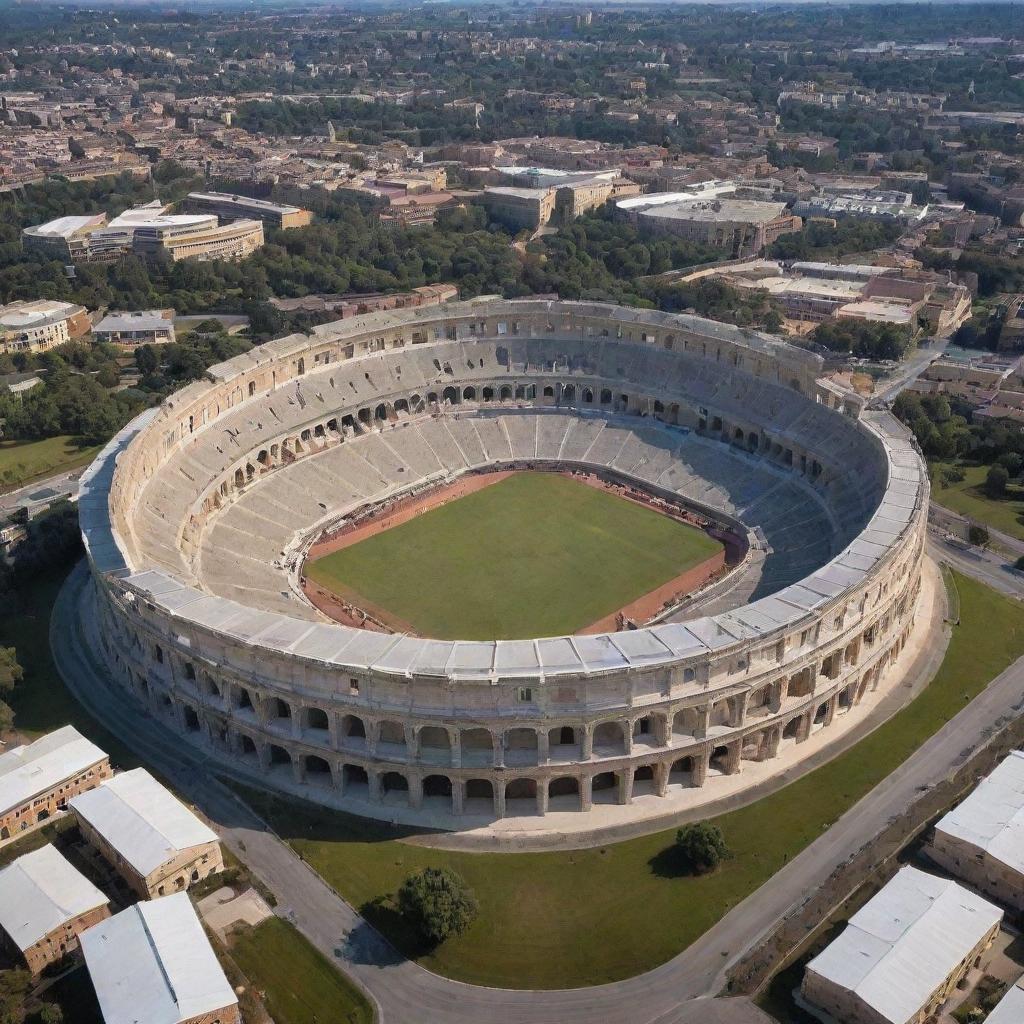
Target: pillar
(542,797)
(625,781)
(738,709)
(663,729)
(804,728)
(627,736)
(337,778)
(499,798)
(375,787)
(333,730)
(298,770)
(415,790)
(703,719)
(700,767)
(543,746)
(458,796)
(410,742)
(263,752)
(586,792)
(777,690)
(732,758)
(830,711)
(498,739)
(774,739)
(661,771)
(296,721)
(587,742)
(455,742)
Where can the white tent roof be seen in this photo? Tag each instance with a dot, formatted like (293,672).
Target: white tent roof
(905,941)
(27,771)
(41,891)
(992,817)
(141,819)
(152,964)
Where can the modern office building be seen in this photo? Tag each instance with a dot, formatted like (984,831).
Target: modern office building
(230,207)
(40,324)
(143,327)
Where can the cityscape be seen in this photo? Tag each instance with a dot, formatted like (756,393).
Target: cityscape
(511,512)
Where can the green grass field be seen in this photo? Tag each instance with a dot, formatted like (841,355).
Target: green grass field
(560,920)
(22,461)
(299,986)
(969,499)
(534,555)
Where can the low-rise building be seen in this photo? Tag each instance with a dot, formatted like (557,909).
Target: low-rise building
(65,238)
(144,327)
(39,325)
(149,836)
(153,964)
(230,207)
(519,208)
(903,953)
(38,780)
(45,904)
(982,840)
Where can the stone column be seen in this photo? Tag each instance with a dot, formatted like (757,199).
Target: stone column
(333,730)
(375,786)
(455,742)
(586,792)
(337,777)
(661,771)
(774,739)
(733,757)
(296,711)
(298,770)
(543,747)
(458,796)
(700,767)
(499,798)
(738,709)
(587,742)
(703,719)
(263,750)
(627,736)
(410,742)
(415,790)
(804,728)
(542,797)
(498,739)
(663,729)
(625,785)
(777,691)
(830,711)
(372,731)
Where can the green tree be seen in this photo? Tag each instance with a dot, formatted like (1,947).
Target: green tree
(10,675)
(437,903)
(996,481)
(702,846)
(977,535)
(51,1013)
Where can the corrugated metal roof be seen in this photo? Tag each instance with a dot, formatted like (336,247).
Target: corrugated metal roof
(152,964)
(27,771)
(41,891)
(142,820)
(905,942)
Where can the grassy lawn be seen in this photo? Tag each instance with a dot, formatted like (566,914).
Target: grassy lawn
(22,461)
(298,984)
(560,920)
(969,499)
(534,555)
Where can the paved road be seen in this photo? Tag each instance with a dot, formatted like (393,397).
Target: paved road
(990,567)
(62,483)
(910,370)
(679,992)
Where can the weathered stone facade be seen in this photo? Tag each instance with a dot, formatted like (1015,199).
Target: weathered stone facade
(513,727)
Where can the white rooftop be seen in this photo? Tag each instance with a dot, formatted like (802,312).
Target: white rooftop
(141,819)
(1010,1009)
(992,817)
(41,891)
(152,964)
(905,941)
(27,771)
(65,227)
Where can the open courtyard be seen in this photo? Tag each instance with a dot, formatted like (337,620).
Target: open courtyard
(535,554)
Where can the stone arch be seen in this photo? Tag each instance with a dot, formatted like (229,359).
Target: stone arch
(608,736)
(521,746)
(278,755)
(477,746)
(353,728)
(549,391)
(588,396)
(606,396)
(488,394)
(505,393)
(569,393)
(519,791)
(390,731)
(680,772)
(469,394)
(434,740)
(316,718)
(394,788)
(450,395)
(564,794)
(437,787)
(356,780)
(317,769)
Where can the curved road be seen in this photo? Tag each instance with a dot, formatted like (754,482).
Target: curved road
(682,990)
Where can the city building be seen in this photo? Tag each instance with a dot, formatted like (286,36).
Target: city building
(519,208)
(45,904)
(903,953)
(230,207)
(153,964)
(40,325)
(982,840)
(897,207)
(149,836)
(38,780)
(145,327)
(66,238)
(739,227)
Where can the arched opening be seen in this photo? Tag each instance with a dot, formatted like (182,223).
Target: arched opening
(394,788)
(450,396)
(686,722)
(720,761)
(380,414)
(569,393)
(477,747)
(792,730)
(278,755)
(479,797)
(469,394)
(353,730)
(280,709)
(356,781)
(521,797)
(401,405)
(317,770)
(644,781)
(564,743)
(549,391)
(588,396)
(301,366)
(820,714)
(521,746)
(505,394)
(564,794)
(604,788)
(606,397)
(681,773)
(608,739)
(316,718)
(252,388)
(438,788)
(488,394)
(191,719)
(247,745)
(435,744)
(391,735)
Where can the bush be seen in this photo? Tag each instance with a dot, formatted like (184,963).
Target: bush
(437,903)
(977,535)
(996,481)
(702,846)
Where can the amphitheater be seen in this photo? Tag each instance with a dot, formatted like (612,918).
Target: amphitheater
(196,518)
